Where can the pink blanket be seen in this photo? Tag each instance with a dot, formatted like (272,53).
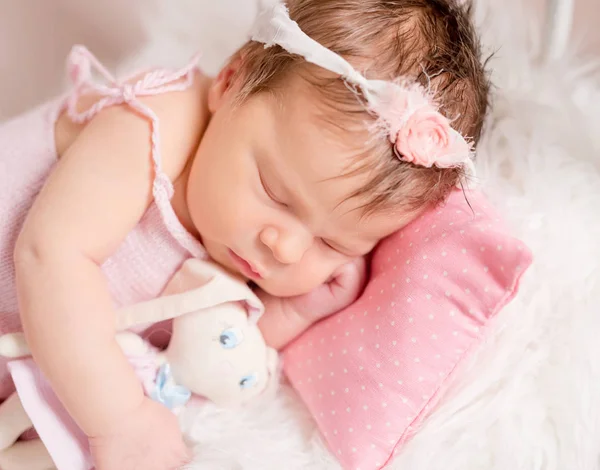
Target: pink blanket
(65,441)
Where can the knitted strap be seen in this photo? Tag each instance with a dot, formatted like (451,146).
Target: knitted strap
(116,92)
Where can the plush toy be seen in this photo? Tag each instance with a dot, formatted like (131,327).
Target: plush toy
(216,351)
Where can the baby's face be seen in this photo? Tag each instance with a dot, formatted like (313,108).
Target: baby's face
(266,196)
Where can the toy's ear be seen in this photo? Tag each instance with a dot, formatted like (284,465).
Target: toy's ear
(14,345)
(198,285)
(274,369)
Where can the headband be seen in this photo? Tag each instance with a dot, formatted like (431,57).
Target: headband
(406,112)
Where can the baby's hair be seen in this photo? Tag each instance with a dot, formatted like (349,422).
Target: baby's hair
(431,41)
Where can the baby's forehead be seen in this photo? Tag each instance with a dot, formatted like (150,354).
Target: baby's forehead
(322,159)
(334,141)
(320,97)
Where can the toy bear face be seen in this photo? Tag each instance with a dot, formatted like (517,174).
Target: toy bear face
(220,355)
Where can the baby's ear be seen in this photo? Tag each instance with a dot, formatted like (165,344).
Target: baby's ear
(14,345)
(224,83)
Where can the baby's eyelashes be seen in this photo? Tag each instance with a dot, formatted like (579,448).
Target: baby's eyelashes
(336,248)
(269,192)
(328,244)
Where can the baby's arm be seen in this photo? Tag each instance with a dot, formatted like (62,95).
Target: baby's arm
(97,193)
(286,318)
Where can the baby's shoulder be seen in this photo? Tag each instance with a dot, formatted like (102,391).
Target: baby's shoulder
(182,117)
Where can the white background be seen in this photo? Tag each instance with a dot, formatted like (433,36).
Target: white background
(36,35)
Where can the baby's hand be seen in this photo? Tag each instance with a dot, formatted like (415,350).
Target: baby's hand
(286,318)
(146,439)
(344,287)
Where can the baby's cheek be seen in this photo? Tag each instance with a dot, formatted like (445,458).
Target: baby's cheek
(296,280)
(281,285)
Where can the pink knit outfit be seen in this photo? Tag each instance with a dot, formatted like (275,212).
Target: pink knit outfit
(153,251)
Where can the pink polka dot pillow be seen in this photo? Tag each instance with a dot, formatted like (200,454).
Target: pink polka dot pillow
(371,373)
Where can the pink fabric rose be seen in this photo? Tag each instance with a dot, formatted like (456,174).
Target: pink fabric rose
(427,139)
(419,132)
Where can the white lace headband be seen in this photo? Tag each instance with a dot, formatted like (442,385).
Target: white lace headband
(406,112)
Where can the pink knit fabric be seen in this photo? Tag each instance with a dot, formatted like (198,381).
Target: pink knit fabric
(65,441)
(157,246)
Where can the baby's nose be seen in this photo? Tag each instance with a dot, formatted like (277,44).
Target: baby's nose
(287,248)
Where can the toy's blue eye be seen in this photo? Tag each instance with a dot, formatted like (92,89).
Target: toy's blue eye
(248,381)
(231,338)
